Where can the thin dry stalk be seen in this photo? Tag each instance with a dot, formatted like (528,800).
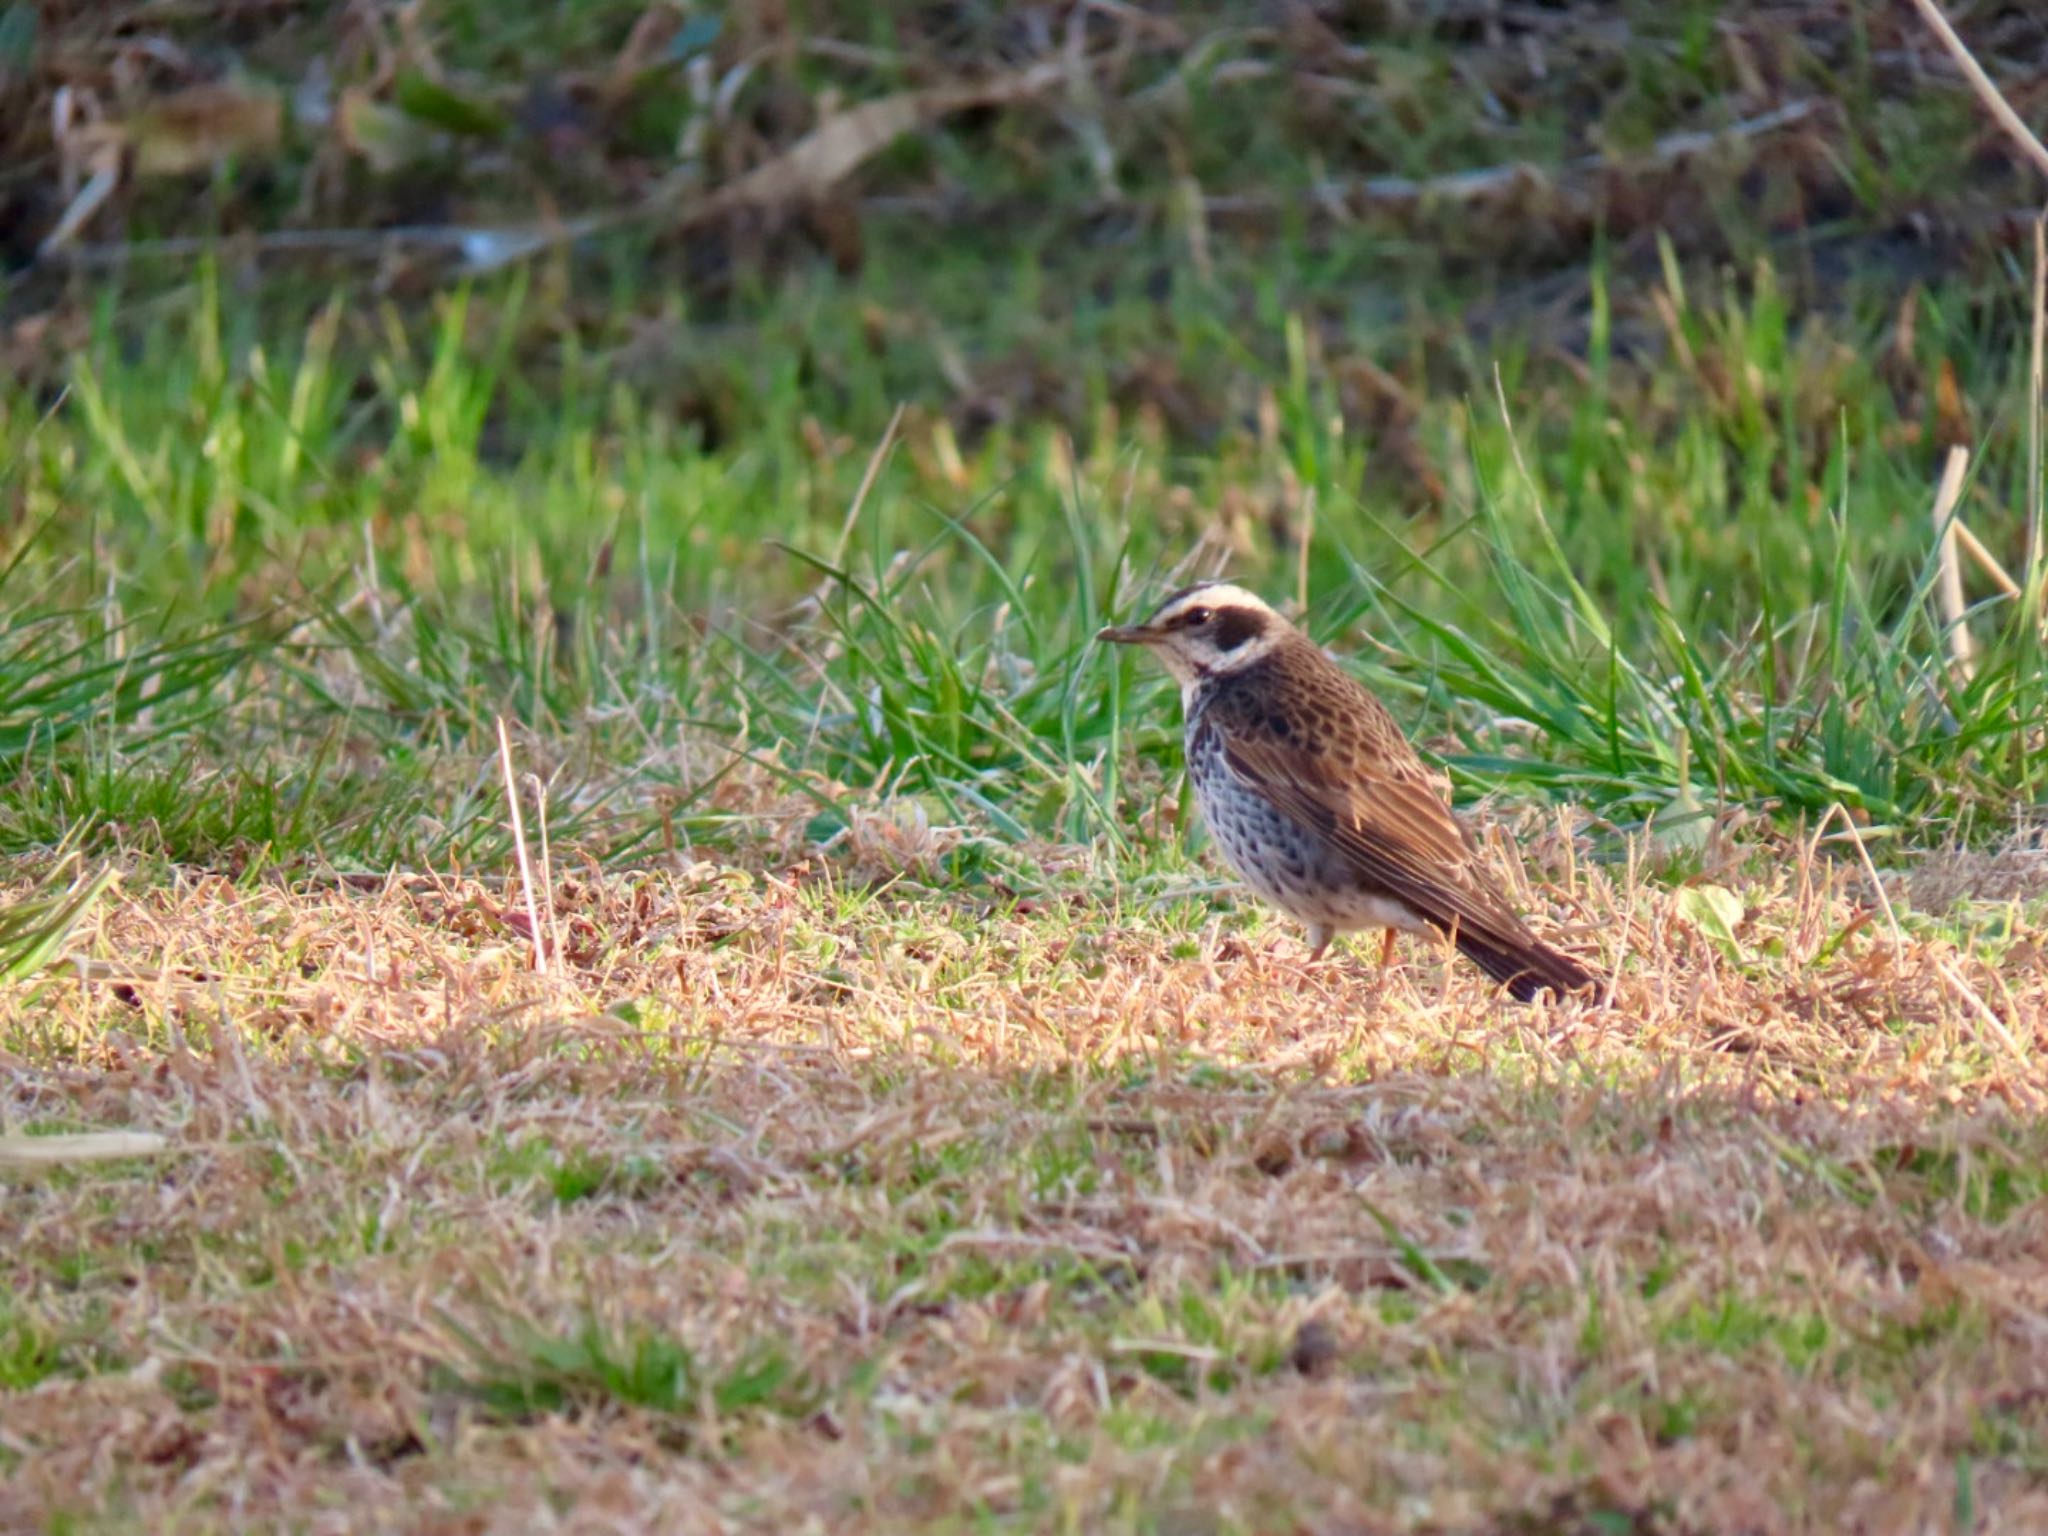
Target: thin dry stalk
(1987,562)
(540,953)
(1987,92)
(1993,1024)
(547,866)
(867,482)
(1949,586)
(2035,385)
(1884,901)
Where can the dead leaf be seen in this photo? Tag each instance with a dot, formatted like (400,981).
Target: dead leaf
(194,129)
(832,151)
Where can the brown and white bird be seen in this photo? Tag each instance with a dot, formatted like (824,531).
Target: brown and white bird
(1318,800)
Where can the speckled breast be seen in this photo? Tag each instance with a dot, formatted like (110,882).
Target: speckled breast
(1287,864)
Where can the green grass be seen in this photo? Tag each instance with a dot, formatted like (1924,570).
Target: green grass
(535,1373)
(620,592)
(36,922)
(1663,503)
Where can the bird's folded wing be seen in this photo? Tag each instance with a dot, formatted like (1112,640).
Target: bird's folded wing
(1393,830)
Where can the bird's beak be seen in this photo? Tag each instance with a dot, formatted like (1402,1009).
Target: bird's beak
(1126,634)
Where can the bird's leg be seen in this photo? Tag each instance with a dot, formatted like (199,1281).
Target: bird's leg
(1386,951)
(1319,936)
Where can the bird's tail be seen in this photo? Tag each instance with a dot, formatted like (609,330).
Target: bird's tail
(1524,964)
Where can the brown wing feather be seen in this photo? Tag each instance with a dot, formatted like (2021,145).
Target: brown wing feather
(1349,774)
(1392,830)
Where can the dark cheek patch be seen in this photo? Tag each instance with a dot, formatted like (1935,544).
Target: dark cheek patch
(1234,626)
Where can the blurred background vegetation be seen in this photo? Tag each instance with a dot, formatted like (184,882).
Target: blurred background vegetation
(761,406)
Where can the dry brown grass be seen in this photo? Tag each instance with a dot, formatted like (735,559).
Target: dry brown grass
(1074,1218)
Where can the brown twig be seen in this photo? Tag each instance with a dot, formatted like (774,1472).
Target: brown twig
(1986,89)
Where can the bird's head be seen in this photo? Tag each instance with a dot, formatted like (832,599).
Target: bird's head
(1211,629)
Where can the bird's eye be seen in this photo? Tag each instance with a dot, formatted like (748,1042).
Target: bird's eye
(1195,617)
